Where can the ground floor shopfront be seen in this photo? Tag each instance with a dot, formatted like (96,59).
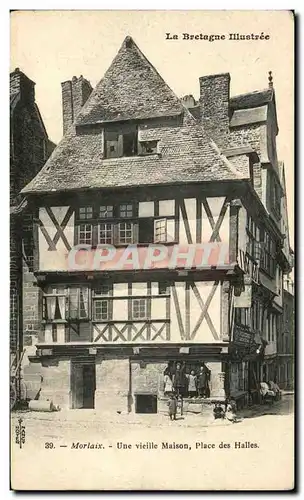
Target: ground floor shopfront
(132,379)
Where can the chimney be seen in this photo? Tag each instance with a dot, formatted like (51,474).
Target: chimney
(214,103)
(75,93)
(20,83)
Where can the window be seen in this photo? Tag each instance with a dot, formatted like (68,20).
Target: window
(160,230)
(274,193)
(111,224)
(54,305)
(253,234)
(243,316)
(105,234)
(130,143)
(139,308)
(147,147)
(162,288)
(101,304)
(146,231)
(106,211)
(85,213)
(125,232)
(122,142)
(268,255)
(78,303)
(102,290)
(101,310)
(85,234)
(126,210)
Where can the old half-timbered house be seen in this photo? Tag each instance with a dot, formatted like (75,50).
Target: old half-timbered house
(149,217)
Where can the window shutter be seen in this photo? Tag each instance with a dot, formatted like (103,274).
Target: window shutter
(95,235)
(120,146)
(135,233)
(115,234)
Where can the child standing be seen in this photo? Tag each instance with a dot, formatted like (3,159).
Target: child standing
(192,381)
(231,411)
(172,403)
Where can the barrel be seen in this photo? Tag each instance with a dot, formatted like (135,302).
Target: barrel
(42,405)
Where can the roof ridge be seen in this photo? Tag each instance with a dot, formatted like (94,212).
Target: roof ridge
(252,92)
(131,88)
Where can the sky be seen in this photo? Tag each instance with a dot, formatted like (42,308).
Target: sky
(52,46)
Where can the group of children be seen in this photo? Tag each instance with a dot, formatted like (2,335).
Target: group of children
(192,385)
(229,413)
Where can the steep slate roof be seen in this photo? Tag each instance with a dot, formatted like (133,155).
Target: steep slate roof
(252,99)
(186,153)
(131,89)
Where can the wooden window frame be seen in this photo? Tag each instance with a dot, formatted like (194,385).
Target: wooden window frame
(139,301)
(159,239)
(108,212)
(85,211)
(143,152)
(78,316)
(109,229)
(118,141)
(101,301)
(85,242)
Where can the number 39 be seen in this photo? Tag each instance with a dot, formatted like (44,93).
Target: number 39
(49,446)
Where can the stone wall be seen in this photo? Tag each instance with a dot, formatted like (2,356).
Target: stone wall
(29,149)
(214,103)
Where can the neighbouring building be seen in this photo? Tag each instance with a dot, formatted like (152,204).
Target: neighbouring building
(286,339)
(29,149)
(157,239)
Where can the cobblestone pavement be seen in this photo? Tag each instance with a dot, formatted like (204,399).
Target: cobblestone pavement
(43,424)
(267,430)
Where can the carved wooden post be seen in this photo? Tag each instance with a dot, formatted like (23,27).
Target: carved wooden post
(226,304)
(234,230)
(217,381)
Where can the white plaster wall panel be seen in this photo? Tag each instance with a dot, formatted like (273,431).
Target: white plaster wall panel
(158,308)
(204,334)
(50,260)
(120,289)
(215,203)
(48,335)
(47,222)
(174,328)
(120,309)
(99,328)
(146,209)
(154,287)
(166,207)
(224,229)
(190,206)
(182,232)
(135,330)
(195,310)
(60,334)
(139,289)
(181,297)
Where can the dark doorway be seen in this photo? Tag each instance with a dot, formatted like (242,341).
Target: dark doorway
(145,403)
(89,385)
(83,385)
